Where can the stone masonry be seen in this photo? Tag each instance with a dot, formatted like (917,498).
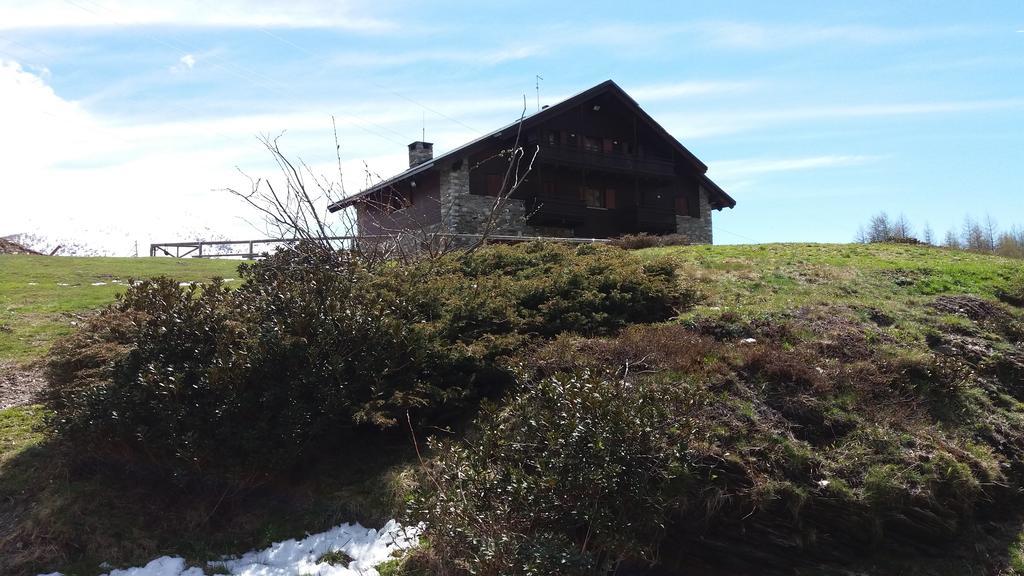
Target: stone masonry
(465,213)
(697,230)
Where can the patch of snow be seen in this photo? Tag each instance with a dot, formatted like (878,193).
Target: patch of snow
(63,284)
(366,546)
(33,283)
(185,283)
(99,283)
(748,341)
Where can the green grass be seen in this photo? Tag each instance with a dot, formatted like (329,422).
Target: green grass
(40,296)
(20,429)
(888,286)
(868,280)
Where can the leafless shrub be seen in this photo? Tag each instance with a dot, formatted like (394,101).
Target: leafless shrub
(296,209)
(644,240)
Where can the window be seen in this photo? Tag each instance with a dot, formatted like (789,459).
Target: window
(552,138)
(571,139)
(396,200)
(591,144)
(493,184)
(593,198)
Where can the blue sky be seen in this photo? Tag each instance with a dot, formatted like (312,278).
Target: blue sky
(124,119)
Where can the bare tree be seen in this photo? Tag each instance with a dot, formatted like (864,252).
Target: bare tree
(295,208)
(952,239)
(519,165)
(974,237)
(901,229)
(927,234)
(990,231)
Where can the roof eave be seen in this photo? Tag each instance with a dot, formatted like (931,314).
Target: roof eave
(346,202)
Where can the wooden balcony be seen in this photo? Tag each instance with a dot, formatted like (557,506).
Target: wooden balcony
(655,219)
(555,210)
(610,161)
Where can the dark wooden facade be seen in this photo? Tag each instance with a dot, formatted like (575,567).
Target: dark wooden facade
(603,168)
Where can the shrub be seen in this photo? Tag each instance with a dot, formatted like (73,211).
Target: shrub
(636,241)
(645,240)
(548,288)
(315,345)
(568,477)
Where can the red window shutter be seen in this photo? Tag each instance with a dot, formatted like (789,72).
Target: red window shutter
(681,207)
(493,184)
(609,198)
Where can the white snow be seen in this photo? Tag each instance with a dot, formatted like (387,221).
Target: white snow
(99,283)
(366,546)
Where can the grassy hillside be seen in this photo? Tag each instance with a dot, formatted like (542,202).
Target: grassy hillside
(842,382)
(40,296)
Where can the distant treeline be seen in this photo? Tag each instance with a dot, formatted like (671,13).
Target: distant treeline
(983,235)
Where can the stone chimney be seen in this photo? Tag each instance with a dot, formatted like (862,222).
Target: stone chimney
(420,152)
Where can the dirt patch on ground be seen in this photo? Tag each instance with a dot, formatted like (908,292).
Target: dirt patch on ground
(19,385)
(971,307)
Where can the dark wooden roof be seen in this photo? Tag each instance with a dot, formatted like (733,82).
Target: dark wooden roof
(718,200)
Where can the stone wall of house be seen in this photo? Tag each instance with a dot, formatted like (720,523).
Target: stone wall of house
(698,230)
(465,213)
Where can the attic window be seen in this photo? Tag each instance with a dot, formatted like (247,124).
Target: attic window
(591,144)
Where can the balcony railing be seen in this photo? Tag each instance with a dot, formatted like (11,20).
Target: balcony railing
(655,219)
(610,161)
(555,210)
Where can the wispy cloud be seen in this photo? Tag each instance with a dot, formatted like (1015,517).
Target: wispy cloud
(487,57)
(730,169)
(185,63)
(199,13)
(676,90)
(742,35)
(737,121)
(749,35)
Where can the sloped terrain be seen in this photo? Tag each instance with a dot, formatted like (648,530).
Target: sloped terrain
(819,409)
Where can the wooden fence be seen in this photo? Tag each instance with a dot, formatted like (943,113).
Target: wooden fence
(224,248)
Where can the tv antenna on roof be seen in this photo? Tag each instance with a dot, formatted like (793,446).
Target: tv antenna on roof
(538,79)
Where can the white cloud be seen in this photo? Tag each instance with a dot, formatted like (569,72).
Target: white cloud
(227,13)
(737,121)
(733,169)
(184,64)
(463,56)
(749,35)
(687,89)
(108,184)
